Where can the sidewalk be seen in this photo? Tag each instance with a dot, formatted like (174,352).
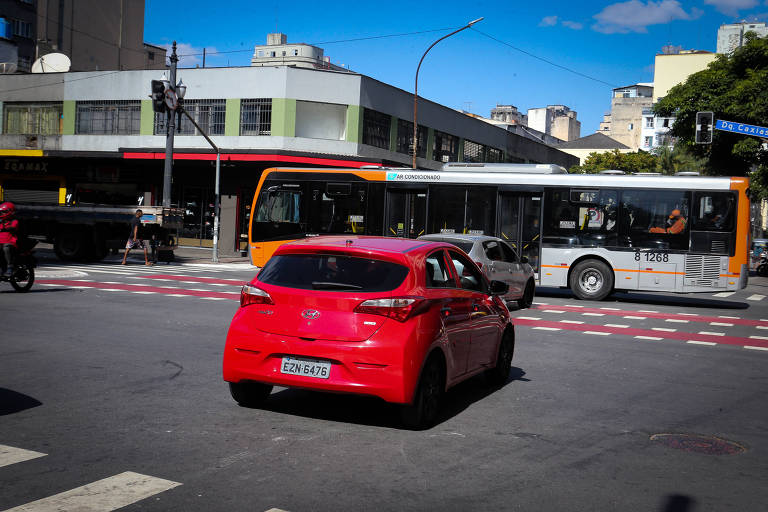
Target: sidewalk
(44,252)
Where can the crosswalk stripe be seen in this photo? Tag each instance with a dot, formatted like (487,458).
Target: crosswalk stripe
(750,347)
(10,455)
(696,342)
(598,333)
(756,296)
(723,294)
(101,496)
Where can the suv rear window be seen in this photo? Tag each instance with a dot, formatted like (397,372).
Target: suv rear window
(333,273)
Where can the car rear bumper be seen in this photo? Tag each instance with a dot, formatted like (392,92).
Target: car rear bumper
(366,368)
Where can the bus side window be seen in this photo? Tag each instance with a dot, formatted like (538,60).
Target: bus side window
(713,211)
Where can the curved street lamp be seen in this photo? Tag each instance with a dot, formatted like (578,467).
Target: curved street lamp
(416,88)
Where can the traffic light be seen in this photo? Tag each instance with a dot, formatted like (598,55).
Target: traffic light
(158,96)
(704,121)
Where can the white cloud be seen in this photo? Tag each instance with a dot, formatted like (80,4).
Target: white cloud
(732,7)
(548,21)
(575,25)
(636,16)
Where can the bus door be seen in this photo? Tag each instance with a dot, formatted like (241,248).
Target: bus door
(520,223)
(406,211)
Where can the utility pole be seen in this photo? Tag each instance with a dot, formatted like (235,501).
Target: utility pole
(171,128)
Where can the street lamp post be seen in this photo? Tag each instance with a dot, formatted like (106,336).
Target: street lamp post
(416,88)
(171,127)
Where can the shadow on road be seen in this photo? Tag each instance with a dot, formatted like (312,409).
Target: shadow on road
(12,402)
(38,290)
(687,300)
(372,411)
(678,503)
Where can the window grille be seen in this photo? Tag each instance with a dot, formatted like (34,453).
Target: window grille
(473,152)
(208,114)
(446,148)
(494,155)
(111,117)
(405,138)
(256,116)
(376,128)
(32,118)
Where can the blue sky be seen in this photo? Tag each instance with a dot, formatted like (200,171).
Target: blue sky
(613,44)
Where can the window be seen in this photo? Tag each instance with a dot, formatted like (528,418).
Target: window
(337,207)
(647,218)
(713,211)
(581,217)
(446,147)
(279,206)
(405,138)
(283,53)
(376,127)
(462,210)
(108,117)
(321,120)
(32,118)
(467,272)
(473,152)
(437,275)
(494,155)
(22,28)
(260,53)
(256,116)
(295,53)
(631,126)
(649,122)
(272,54)
(666,123)
(648,142)
(208,114)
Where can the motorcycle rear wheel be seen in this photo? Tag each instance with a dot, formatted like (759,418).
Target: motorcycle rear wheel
(23,278)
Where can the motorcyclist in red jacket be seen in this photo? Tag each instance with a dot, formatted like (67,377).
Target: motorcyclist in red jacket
(8,235)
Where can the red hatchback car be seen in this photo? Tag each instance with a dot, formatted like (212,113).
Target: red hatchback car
(399,319)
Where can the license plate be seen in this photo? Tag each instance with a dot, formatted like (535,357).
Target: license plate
(306,367)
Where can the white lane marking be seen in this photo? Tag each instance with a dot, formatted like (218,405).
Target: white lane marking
(553,311)
(101,496)
(648,338)
(759,337)
(646,311)
(571,322)
(574,306)
(696,342)
(548,328)
(761,327)
(528,318)
(10,455)
(611,309)
(756,296)
(144,293)
(177,295)
(689,314)
(663,329)
(598,333)
(112,290)
(750,347)
(706,333)
(723,294)
(634,317)
(677,320)
(620,326)
(213,298)
(593,314)
(721,324)
(541,303)
(731,317)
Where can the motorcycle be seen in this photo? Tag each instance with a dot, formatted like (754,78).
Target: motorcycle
(23,275)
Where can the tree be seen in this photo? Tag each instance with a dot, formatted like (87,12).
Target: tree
(627,162)
(734,88)
(678,159)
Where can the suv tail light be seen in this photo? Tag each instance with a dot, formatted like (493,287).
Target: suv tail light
(252,295)
(398,308)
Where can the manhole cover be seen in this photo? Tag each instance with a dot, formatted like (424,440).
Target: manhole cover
(708,445)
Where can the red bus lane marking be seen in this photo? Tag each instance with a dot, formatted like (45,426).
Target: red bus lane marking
(211,280)
(139,288)
(631,331)
(663,316)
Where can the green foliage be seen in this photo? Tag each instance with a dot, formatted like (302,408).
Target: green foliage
(627,162)
(734,88)
(679,159)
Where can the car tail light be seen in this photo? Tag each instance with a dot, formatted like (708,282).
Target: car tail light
(398,308)
(252,295)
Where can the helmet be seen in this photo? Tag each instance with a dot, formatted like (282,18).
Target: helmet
(674,213)
(7,210)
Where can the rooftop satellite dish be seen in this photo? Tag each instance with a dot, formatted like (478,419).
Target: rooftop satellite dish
(52,63)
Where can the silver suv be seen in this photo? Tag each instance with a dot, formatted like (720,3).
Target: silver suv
(498,261)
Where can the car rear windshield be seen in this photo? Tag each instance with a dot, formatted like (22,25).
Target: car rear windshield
(332,272)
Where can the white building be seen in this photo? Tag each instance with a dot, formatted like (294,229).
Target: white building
(277,52)
(655,130)
(556,120)
(731,36)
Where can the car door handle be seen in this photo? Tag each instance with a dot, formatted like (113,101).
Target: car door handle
(445,311)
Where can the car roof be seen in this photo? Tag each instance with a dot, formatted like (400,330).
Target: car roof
(459,236)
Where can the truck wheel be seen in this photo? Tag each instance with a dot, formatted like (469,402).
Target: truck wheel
(591,280)
(69,245)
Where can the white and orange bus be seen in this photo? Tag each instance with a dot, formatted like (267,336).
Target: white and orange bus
(593,233)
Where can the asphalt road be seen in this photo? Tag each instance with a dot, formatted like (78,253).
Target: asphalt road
(111,395)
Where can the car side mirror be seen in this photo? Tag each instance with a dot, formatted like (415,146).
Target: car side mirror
(523,259)
(499,288)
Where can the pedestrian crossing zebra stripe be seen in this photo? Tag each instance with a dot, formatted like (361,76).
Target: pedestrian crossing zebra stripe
(10,455)
(104,495)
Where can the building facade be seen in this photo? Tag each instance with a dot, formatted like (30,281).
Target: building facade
(277,52)
(556,120)
(508,114)
(94,34)
(672,69)
(731,35)
(625,121)
(93,137)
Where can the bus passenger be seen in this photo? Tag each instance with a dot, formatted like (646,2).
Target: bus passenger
(677,224)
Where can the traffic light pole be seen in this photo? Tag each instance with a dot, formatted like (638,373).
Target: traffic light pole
(171,127)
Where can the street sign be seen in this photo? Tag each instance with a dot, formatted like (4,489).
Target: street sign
(746,129)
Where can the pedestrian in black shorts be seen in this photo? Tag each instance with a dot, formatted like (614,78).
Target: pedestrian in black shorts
(134,242)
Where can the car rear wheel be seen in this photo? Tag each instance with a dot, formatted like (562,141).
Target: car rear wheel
(500,374)
(249,394)
(422,413)
(527,299)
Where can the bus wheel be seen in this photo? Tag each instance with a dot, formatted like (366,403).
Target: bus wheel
(591,280)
